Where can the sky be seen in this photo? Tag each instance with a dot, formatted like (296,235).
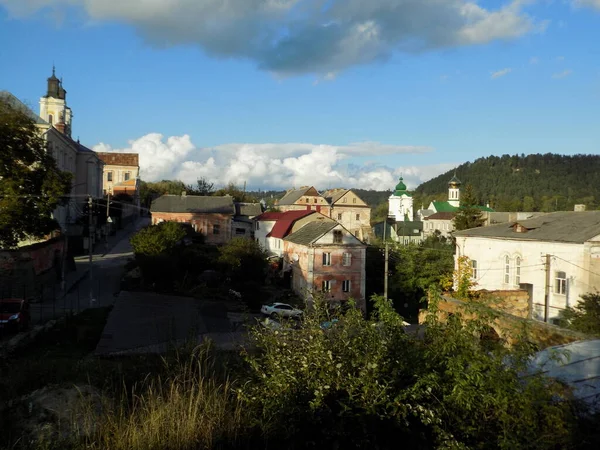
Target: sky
(332,93)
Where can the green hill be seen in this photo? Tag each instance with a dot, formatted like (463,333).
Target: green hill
(537,182)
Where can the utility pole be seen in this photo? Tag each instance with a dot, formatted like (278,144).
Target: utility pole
(90,230)
(385,267)
(107,226)
(547,289)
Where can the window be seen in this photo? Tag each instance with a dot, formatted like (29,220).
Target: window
(345,200)
(127,175)
(473,269)
(506,270)
(326,259)
(240,231)
(347,259)
(354,200)
(50,120)
(314,200)
(257,226)
(326,286)
(518,271)
(307,200)
(340,216)
(216,229)
(358,217)
(346,286)
(337,237)
(109,176)
(560,285)
(277,243)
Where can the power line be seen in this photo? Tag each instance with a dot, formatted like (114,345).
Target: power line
(579,267)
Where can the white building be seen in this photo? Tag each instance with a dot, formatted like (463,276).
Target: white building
(555,257)
(400,203)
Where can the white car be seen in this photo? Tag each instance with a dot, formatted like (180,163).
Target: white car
(280,309)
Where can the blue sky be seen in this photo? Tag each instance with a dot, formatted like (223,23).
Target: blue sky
(282,93)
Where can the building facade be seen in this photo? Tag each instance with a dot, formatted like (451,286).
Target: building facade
(555,257)
(400,204)
(210,215)
(305,198)
(326,259)
(121,173)
(348,209)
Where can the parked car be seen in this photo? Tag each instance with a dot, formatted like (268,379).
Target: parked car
(280,309)
(14,314)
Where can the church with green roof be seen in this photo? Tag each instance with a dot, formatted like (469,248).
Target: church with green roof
(400,203)
(452,205)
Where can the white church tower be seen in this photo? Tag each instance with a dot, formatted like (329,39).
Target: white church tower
(454,191)
(400,204)
(53,106)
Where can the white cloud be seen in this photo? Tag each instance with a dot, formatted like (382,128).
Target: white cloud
(290,37)
(534,60)
(589,3)
(500,73)
(274,165)
(560,58)
(563,74)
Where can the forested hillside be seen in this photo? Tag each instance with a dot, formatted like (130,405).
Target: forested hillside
(537,182)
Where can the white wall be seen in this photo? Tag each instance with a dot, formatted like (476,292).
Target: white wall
(398,207)
(490,256)
(273,246)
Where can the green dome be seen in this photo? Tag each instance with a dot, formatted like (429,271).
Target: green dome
(400,188)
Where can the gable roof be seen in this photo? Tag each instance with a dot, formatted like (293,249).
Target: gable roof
(447,207)
(441,216)
(333,195)
(285,222)
(193,204)
(566,226)
(291,197)
(272,216)
(17,104)
(310,232)
(119,159)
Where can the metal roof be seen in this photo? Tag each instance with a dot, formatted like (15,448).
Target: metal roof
(193,204)
(291,197)
(310,232)
(566,226)
(333,195)
(20,106)
(441,216)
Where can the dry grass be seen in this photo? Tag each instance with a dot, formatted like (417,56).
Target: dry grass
(188,410)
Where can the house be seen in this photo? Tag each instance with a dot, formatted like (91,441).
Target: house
(121,173)
(243,220)
(442,222)
(323,257)
(555,257)
(404,232)
(400,203)
(209,215)
(305,198)
(350,210)
(272,227)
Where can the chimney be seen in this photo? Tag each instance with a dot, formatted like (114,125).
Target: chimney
(579,208)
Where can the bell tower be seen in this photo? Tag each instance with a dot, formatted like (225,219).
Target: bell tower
(454,191)
(53,105)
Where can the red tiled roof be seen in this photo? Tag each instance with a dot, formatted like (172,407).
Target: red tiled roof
(283,221)
(119,159)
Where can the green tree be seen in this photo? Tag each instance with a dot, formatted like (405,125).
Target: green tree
(585,315)
(31,185)
(202,187)
(528,203)
(468,215)
(238,194)
(366,383)
(244,259)
(158,239)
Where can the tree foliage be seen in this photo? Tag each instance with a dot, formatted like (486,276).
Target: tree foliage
(585,315)
(202,187)
(244,259)
(536,182)
(468,215)
(237,193)
(157,240)
(31,185)
(366,383)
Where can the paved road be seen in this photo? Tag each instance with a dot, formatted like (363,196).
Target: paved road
(99,285)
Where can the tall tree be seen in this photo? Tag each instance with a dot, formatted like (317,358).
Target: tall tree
(31,185)
(469,215)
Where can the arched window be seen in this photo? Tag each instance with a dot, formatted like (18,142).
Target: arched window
(517,271)
(506,270)
(50,119)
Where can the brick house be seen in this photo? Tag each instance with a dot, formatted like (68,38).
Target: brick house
(351,211)
(324,257)
(212,216)
(272,227)
(303,199)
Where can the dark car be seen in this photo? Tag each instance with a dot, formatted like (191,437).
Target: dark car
(14,314)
